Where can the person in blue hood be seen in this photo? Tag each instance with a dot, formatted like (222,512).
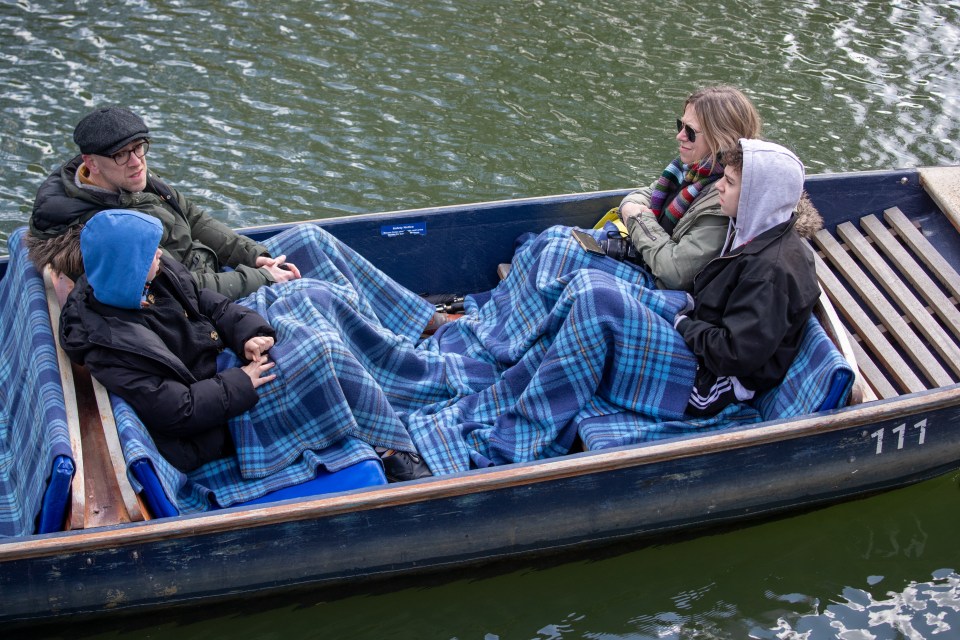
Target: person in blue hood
(750,304)
(141,325)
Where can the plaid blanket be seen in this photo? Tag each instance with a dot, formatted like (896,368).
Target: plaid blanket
(305,419)
(569,340)
(508,383)
(221,483)
(33,425)
(321,256)
(605,345)
(340,373)
(572,335)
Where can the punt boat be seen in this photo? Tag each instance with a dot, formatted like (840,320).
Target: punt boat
(887,260)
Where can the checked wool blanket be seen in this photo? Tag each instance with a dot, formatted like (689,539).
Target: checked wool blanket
(567,336)
(570,344)
(572,335)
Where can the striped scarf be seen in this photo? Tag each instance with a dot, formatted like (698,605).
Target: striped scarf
(690,182)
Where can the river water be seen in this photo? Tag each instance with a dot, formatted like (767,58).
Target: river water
(296,109)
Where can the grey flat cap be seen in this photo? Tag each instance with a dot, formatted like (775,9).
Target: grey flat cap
(107,130)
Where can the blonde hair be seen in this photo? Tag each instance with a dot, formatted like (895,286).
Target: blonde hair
(725,115)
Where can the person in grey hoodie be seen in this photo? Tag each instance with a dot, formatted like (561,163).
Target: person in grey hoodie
(750,304)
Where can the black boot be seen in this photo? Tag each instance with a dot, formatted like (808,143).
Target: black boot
(401,465)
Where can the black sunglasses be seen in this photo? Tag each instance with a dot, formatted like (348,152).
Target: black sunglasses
(691,134)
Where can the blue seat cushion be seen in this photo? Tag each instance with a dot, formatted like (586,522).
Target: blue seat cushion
(53,510)
(366,473)
(152,493)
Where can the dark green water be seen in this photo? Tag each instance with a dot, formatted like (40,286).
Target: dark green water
(291,110)
(883,568)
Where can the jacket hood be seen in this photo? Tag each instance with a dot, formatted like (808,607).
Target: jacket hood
(118,247)
(771,186)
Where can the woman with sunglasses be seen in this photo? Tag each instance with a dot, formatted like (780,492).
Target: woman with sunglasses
(676,224)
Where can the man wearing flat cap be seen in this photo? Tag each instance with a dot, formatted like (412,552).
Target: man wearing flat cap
(111,173)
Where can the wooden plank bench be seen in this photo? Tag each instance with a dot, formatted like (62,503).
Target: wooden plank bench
(902,316)
(78,491)
(101,492)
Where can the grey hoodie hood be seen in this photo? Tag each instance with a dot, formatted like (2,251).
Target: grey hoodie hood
(770,188)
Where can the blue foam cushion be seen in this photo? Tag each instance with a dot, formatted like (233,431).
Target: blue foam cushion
(367,473)
(153,494)
(53,510)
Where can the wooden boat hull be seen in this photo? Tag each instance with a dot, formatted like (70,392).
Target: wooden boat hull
(454,521)
(637,492)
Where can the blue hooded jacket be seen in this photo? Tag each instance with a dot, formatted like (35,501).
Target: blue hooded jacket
(118,247)
(162,358)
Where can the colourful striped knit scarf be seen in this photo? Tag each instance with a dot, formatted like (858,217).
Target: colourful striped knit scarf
(690,182)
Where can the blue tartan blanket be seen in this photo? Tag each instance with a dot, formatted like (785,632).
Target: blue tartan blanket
(819,378)
(508,383)
(221,483)
(302,422)
(569,344)
(572,335)
(33,423)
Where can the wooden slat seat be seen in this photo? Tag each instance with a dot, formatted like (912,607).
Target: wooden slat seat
(78,490)
(101,492)
(903,324)
(909,267)
(901,293)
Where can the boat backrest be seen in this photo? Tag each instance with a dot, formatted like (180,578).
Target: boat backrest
(36,459)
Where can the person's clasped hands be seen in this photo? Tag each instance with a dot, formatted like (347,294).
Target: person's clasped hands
(279,268)
(255,350)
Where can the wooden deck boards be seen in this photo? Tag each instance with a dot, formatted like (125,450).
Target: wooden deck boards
(906,335)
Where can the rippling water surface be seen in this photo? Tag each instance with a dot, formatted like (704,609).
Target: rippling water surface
(296,109)
(286,110)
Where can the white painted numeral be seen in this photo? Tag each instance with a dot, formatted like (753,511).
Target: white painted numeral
(922,425)
(902,429)
(901,432)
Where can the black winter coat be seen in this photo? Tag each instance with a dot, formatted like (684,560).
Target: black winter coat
(751,307)
(162,360)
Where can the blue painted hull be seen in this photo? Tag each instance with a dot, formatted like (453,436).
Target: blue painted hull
(584,499)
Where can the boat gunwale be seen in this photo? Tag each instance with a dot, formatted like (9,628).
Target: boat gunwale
(572,196)
(477,481)
(276,227)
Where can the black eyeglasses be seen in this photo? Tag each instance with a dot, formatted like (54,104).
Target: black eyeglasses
(691,134)
(122,157)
